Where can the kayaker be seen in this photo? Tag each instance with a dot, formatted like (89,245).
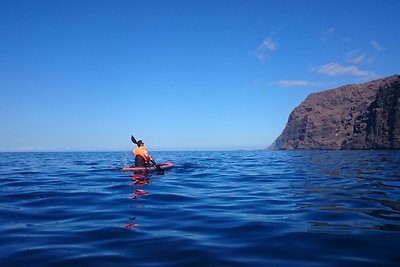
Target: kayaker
(142,156)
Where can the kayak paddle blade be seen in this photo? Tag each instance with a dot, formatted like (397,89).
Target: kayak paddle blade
(159,170)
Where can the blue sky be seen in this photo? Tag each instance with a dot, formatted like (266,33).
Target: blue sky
(181,75)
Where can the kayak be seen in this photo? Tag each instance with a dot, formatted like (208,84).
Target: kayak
(163,166)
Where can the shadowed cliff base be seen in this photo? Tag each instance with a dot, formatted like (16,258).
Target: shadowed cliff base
(362,116)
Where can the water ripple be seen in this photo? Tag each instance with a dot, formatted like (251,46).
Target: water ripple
(238,208)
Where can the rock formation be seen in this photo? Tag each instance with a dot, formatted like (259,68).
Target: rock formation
(364,116)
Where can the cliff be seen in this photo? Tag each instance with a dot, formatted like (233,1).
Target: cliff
(363,116)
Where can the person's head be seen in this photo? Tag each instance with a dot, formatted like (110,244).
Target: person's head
(140,143)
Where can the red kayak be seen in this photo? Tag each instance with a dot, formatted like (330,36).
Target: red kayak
(163,166)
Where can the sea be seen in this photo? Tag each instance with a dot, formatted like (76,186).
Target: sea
(213,208)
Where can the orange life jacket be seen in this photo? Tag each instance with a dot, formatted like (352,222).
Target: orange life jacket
(142,151)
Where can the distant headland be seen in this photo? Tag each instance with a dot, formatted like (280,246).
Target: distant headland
(362,116)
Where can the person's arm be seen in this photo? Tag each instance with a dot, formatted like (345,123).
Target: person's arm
(152,160)
(158,168)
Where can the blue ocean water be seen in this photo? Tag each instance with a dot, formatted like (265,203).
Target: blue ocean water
(237,208)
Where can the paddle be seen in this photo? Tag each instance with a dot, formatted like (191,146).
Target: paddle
(158,168)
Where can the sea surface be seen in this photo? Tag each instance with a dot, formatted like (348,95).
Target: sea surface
(236,208)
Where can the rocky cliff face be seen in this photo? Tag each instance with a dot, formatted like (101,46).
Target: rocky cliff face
(364,116)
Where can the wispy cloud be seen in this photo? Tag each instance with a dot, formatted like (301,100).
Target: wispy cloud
(293,83)
(334,69)
(268,44)
(354,57)
(328,31)
(251,84)
(377,46)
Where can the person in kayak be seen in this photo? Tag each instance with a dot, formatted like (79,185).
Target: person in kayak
(142,156)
